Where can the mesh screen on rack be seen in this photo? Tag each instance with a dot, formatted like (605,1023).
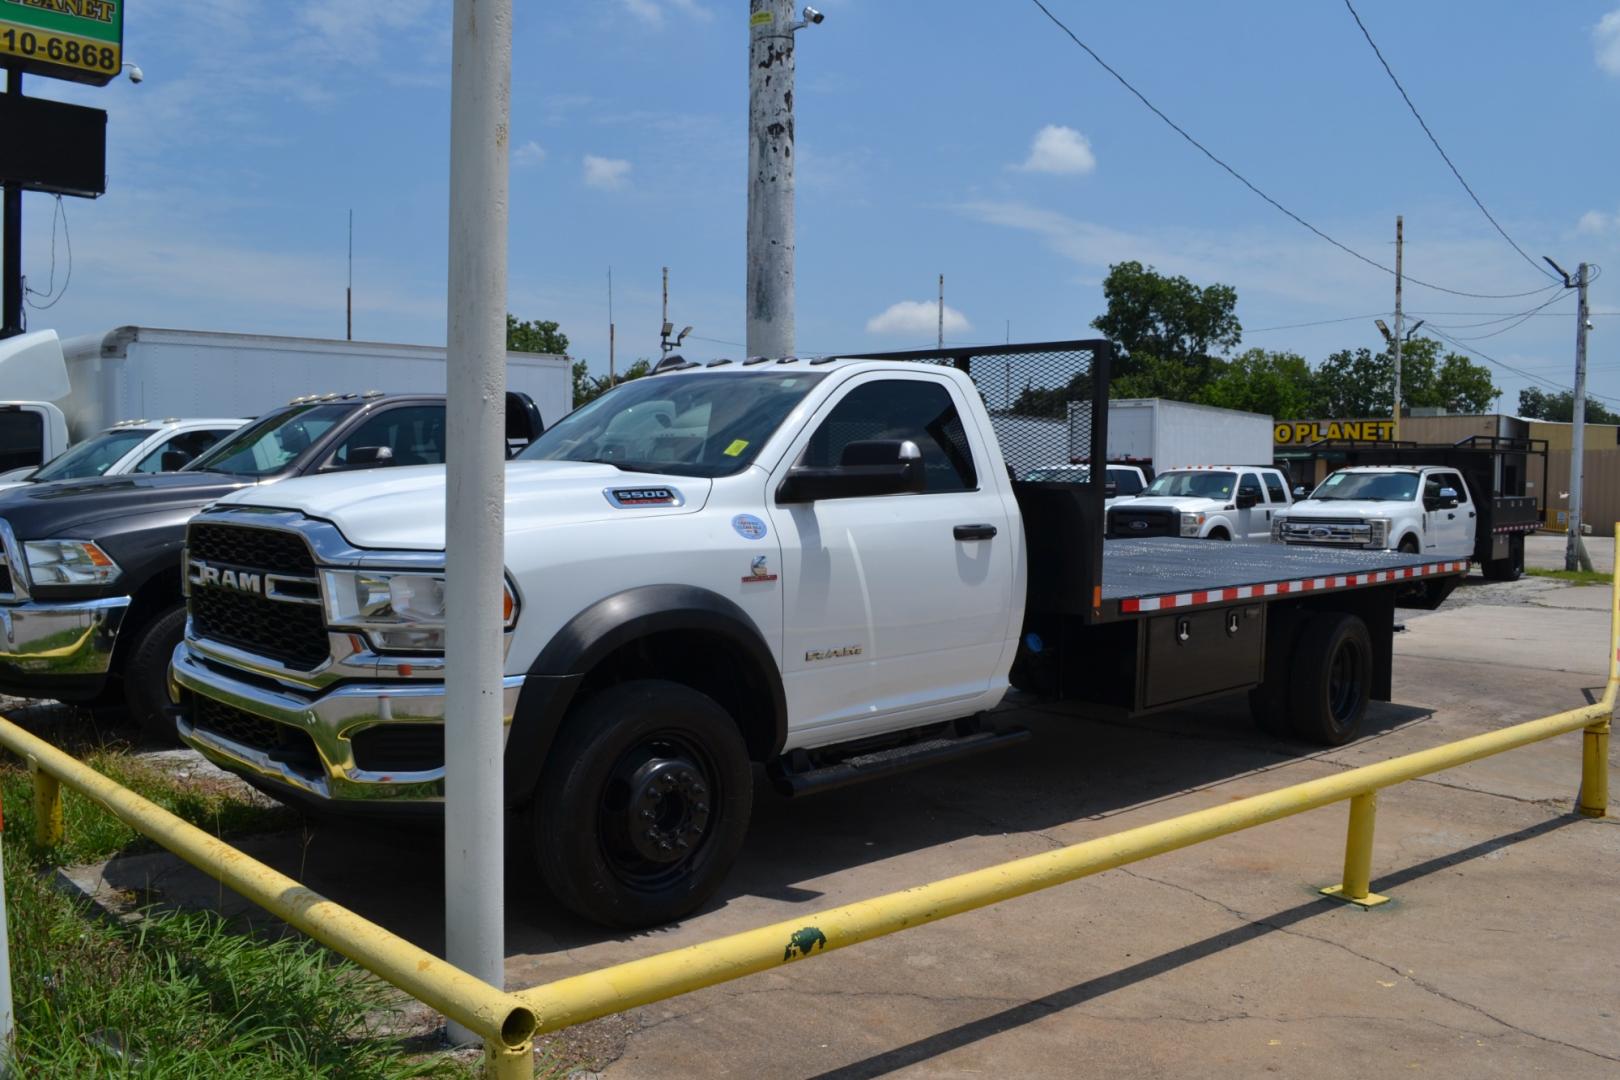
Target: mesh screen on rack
(1039,399)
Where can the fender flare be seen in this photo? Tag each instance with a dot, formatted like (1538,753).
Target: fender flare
(594,633)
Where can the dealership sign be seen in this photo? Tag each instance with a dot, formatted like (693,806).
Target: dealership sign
(1305,432)
(81,40)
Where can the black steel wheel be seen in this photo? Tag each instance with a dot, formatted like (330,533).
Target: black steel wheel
(642,805)
(1331,681)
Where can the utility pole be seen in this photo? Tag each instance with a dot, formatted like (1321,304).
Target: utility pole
(612,379)
(1575,556)
(770,175)
(941,340)
(11,319)
(475,494)
(1399,243)
(348,293)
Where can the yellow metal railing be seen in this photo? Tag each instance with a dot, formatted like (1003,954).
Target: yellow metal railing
(508,1022)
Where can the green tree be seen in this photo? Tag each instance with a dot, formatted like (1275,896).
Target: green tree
(1361,382)
(1537,404)
(1355,382)
(535,337)
(1279,384)
(1151,316)
(1464,386)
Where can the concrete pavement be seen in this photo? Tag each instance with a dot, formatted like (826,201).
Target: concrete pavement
(1496,958)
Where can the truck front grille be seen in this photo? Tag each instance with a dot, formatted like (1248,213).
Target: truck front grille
(1321,531)
(288,745)
(285,630)
(1125,523)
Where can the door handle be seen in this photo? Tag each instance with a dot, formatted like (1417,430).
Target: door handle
(1451,517)
(973,532)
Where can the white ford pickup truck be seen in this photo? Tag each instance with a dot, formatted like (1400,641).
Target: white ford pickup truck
(824,567)
(1210,502)
(1388,507)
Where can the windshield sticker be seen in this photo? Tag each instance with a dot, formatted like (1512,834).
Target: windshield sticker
(749,527)
(737,446)
(628,498)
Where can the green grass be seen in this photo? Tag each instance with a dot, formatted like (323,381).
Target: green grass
(176,994)
(1574,577)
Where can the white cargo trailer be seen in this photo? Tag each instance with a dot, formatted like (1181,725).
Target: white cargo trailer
(1173,434)
(138,371)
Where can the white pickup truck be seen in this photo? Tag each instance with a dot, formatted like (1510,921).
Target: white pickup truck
(1207,502)
(1415,509)
(130,446)
(821,567)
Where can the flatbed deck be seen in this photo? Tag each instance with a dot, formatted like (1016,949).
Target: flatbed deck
(1163,573)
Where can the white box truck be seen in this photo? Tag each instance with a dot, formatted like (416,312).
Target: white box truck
(54,392)
(1175,434)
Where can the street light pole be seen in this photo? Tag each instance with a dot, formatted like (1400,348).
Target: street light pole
(1399,243)
(475,493)
(1575,556)
(11,318)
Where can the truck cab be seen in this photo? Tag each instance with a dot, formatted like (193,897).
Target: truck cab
(1123,481)
(1207,502)
(1420,509)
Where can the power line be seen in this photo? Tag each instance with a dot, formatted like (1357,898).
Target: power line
(1320,322)
(1549,383)
(1354,14)
(1246,182)
(1512,320)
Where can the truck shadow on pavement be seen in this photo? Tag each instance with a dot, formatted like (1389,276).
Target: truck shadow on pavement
(1008,1019)
(1074,770)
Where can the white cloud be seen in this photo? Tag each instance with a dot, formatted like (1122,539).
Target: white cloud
(1061,150)
(606,173)
(1596,221)
(917,318)
(652,12)
(529,154)
(1606,42)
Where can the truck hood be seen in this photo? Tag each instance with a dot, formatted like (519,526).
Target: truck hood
(75,507)
(1187,504)
(402,509)
(1360,509)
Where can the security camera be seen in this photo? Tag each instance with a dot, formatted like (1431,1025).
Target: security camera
(811,15)
(136,75)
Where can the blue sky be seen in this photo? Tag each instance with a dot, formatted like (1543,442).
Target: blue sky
(970,139)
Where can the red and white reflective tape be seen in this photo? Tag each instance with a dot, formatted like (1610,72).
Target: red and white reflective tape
(1283,588)
(1529,526)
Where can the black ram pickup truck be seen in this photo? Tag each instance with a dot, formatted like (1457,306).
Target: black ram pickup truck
(91,604)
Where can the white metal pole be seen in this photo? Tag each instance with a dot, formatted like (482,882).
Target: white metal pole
(770,178)
(474,848)
(1575,556)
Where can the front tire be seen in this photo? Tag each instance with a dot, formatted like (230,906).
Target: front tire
(146,675)
(1219,534)
(642,805)
(1331,681)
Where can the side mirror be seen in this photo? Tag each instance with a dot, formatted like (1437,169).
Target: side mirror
(523,422)
(866,468)
(1300,492)
(173,461)
(1110,491)
(1245,499)
(370,455)
(1449,493)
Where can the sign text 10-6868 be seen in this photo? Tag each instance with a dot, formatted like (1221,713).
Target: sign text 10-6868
(81,40)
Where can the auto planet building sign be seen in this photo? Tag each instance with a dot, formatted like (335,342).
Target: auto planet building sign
(1306,432)
(79,40)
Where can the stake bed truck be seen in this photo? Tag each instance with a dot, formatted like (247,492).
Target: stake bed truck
(820,566)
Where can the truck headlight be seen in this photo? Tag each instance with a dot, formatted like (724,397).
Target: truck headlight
(1191,523)
(68,562)
(403,611)
(1380,532)
(1277,529)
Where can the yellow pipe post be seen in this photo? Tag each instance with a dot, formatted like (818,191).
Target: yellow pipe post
(502,1062)
(1356,885)
(490,1011)
(47,805)
(1594,798)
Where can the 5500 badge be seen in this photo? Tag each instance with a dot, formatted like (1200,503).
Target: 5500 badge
(80,40)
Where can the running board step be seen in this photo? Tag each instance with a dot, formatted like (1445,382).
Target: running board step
(897,759)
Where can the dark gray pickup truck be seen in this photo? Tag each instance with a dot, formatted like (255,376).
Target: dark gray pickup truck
(90,570)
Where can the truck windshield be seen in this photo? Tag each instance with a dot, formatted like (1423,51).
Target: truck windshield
(92,457)
(1197,485)
(687,425)
(273,443)
(1372,487)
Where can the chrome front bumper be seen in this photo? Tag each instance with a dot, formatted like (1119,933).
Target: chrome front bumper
(330,718)
(49,640)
